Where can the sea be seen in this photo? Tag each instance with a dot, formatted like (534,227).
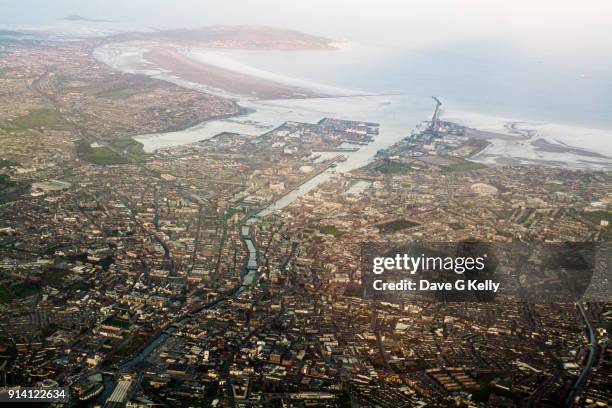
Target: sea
(481,85)
(398,98)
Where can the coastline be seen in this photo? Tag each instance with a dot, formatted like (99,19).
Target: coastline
(209,75)
(268,104)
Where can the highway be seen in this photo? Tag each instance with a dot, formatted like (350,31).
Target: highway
(576,390)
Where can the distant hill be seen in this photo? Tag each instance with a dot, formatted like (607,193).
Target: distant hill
(11,33)
(76,17)
(244,37)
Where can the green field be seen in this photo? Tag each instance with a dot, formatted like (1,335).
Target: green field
(5,294)
(486,390)
(105,156)
(131,147)
(10,190)
(55,277)
(128,348)
(102,156)
(391,167)
(331,230)
(25,289)
(120,93)
(115,89)
(17,290)
(397,225)
(464,165)
(7,163)
(119,323)
(84,286)
(5,181)
(41,118)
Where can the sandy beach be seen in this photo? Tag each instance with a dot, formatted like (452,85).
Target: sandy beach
(233,82)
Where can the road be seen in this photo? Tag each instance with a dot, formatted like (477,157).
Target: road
(576,390)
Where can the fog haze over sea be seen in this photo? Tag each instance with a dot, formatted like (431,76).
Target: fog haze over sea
(540,60)
(477,78)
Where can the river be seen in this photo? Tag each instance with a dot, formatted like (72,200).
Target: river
(396,114)
(248,276)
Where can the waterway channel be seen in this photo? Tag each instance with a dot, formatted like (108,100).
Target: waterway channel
(249,276)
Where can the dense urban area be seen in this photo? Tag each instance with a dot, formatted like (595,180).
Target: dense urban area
(139,279)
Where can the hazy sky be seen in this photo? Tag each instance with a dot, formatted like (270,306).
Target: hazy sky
(549,29)
(541,59)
